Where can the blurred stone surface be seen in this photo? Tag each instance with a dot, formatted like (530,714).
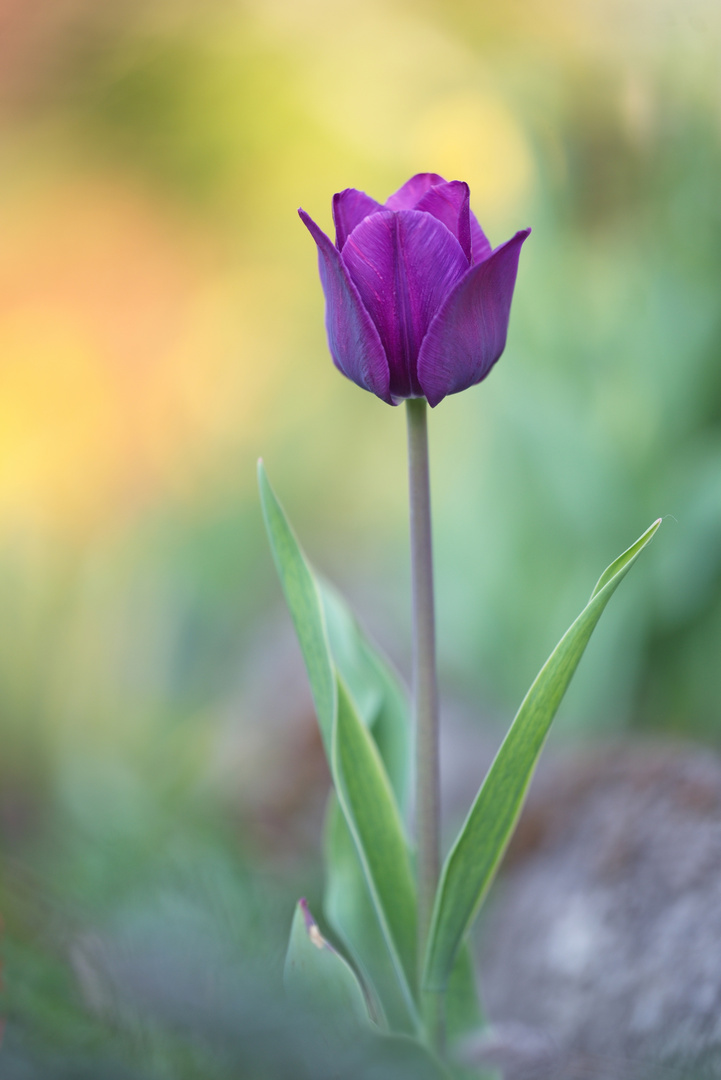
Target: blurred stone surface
(603,935)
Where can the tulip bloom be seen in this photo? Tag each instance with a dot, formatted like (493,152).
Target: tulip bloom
(417,301)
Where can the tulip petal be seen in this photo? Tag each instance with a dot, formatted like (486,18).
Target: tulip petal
(353,339)
(449,203)
(412,191)
(403,264)
(480,245)
(468,334)
(349,209)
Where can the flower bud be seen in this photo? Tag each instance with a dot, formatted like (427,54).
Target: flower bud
(417,300)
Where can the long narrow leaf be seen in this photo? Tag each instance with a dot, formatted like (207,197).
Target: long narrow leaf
(347,901)
(362,785)
(345,646)
(305,605)
(349,909)
(391,727)
(462,1008)
(365,796)
(472,862)
(373,685)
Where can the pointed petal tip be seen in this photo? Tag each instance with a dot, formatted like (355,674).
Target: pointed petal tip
(307,220)
(350,207)
(430,177)
(517,240)
(354,342)
(406,197)
(468,334)
(450,204)
(315,231)
(339,195)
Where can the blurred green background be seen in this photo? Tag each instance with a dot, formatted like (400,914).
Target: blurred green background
(161,326)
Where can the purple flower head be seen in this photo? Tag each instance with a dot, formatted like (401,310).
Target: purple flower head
(417,300)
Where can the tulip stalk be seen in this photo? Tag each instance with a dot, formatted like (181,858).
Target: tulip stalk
(425,680)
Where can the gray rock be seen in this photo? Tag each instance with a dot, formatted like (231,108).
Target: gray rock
(603,935)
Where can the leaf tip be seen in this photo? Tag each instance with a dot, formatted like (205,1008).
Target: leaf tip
(311,926)
(305,911)
(263,482)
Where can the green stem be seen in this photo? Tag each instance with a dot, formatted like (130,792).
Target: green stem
(425,683)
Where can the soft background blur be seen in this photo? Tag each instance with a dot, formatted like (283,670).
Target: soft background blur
(161,327)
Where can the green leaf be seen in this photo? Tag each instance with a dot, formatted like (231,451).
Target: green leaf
(391,728)
(402,1058)
(347,902)
(473,860)
(372,816)
(304,603)
(462,1008)
(359,777)
(348,906)
(321,985)
(349,909)
(344,638)
(374,686)
(317,978)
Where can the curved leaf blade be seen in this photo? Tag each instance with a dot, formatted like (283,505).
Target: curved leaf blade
(349,909)
(372,816)
(402,1058)
(462,1007)
(359,777)
(344,639)
(392,724)
(347,902)
(304,603)
(323,987)
(317,977)
(479,847)
(373,685)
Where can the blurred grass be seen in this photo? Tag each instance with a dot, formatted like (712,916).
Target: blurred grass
(161,326)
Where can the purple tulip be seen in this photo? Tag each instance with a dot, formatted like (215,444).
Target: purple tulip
(417,301)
